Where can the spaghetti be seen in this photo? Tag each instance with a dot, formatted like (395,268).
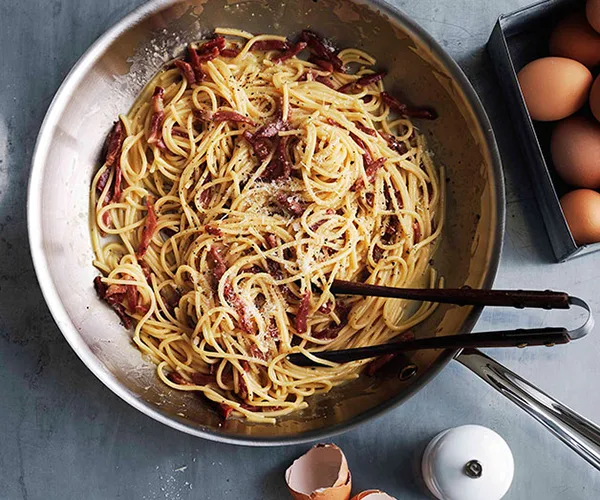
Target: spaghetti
(243,181)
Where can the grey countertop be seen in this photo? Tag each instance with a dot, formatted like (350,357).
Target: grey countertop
(64,435)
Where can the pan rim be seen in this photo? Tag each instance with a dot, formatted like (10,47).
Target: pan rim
(70,332)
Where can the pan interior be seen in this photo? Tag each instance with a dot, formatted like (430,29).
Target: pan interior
(105,83)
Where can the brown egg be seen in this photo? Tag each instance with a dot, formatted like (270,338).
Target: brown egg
(575,147)
(574,38)
(595,98)
(582,211)
(554,87)
(592,12)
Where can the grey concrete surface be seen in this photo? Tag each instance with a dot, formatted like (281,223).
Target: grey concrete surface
(63,435)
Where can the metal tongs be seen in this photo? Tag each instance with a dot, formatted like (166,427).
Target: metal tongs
(463,297)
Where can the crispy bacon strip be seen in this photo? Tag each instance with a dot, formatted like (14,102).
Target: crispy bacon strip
(377,253)
(114,290)
(206,52)
(373,167)
(208,55)
(101,184)
(342,311)
(223,115)
(367,157)
(256,353)
(322,63)
(271,240)
(403,109)
(213,230)
(100,287)
(224,410)
(262,146)
(280,166)
(114,143)
(366,130)
(218,42)
(187,71)
(113,299)
(219,265)
(274,269)
(243,387)
(290,203)
(235,301)
(316,78)
(246,323)
(230,52)
(132,295)
(158,105)
(177,378)
(158,114)
(265,45)
(196,64)
(106,218)
(291,52)
(387,238)
(301,320)
(149,228)
(171,298)
(120,310)
(202,378)
(363,81)
(417,232)
(391,229)
(317,46)
(179,133)
(271,129)
(142,309)
(118,181)
(394,143)
(324,80)
(204,197)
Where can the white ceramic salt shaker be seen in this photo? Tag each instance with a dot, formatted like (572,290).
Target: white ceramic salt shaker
(470,462)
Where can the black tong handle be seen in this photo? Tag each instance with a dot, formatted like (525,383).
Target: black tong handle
(459,296)
(506,338)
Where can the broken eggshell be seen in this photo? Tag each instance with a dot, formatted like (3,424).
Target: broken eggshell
(372,495)
(320,474)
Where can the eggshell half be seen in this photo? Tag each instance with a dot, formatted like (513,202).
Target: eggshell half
(320,474)
(373,495)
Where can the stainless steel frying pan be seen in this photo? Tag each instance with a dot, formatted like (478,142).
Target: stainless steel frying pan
(105,82)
